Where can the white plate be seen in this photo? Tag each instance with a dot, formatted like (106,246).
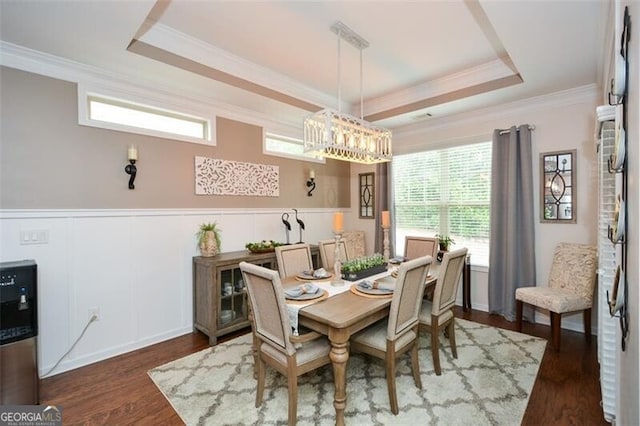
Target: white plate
(618,83)
(619,230)
(306,296)
(617,295)
(227,315)
(304,277)
(620,148)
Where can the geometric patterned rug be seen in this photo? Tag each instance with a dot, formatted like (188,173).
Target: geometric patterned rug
(489,384)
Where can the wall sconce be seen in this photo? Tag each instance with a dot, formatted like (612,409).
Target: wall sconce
(311,183)
(131,169)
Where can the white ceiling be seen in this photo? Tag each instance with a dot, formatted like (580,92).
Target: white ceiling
(280,57)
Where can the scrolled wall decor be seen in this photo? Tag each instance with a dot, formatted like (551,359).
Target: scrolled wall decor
(214,176)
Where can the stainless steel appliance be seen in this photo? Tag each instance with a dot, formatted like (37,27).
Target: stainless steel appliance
(19,381)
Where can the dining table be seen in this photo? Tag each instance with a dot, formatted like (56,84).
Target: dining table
(340,316)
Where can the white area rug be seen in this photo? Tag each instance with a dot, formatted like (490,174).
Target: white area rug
(489,384)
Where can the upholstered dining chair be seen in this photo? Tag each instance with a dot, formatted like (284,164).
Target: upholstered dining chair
(415,247)
(275,344)
(391,337)
(327,250)
(437,315)
(355,241)
(572,280)
(293,259)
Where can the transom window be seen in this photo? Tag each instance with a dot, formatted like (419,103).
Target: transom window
(144,117)
(282,146)
(135,113)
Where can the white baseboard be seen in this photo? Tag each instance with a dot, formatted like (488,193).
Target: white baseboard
(111,352)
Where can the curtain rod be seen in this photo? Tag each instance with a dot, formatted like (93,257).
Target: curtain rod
(502,132)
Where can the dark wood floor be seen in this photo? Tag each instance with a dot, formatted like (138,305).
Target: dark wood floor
(118,391)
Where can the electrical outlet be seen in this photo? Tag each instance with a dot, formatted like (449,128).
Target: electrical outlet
(96,312)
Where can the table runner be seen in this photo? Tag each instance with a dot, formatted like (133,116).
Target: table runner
(294,308)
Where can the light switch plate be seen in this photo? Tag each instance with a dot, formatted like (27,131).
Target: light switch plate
(34,236)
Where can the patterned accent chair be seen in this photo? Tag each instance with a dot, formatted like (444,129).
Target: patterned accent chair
(572,280)
(293,259)
(290,355)
(398,334)
(437,315)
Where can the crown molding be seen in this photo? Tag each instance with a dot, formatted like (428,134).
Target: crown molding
(176,42)
(29,60)
(587,93)
(489,71)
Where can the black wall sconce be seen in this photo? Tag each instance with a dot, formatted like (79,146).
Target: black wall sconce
(311,183)
(131,169)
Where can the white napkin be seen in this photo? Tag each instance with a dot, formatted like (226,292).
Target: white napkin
(302,289)
(318,273)
(380,285)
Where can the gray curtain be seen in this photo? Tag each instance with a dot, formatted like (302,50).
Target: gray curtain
(512,262)
(384,201)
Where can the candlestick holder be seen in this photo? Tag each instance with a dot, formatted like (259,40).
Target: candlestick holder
(131,170)
(385,242)
(337,264)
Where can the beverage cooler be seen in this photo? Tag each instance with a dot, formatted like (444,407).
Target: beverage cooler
(19,380)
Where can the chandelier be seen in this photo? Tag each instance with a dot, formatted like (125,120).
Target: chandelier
(334,134)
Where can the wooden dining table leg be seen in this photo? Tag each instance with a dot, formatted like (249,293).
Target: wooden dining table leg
(339,356)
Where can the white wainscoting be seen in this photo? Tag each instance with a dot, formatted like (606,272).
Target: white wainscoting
(134,265)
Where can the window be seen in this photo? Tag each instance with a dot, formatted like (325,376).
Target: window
(367,191)
(282,146)
(134,113)
(558,187)
(445,192)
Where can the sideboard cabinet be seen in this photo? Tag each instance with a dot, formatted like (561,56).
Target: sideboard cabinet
(219,294)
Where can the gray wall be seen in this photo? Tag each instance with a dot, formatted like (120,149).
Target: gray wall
(48,161)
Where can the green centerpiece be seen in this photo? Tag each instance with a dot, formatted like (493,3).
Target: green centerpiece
(362,267)
(263,246)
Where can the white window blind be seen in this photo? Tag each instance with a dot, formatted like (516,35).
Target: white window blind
(445,192)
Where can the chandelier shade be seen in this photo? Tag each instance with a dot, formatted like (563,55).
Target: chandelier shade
(334,134)
(340,136)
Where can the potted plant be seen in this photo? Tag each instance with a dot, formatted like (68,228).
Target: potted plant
(444,241)
(362,267)
(208,237)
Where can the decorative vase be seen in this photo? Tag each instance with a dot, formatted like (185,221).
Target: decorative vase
(208,244)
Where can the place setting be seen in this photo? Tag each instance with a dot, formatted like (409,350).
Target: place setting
(319,274)
(382,287)
(304,293)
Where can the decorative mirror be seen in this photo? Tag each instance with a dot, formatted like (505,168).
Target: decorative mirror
(367,186)
(558,187)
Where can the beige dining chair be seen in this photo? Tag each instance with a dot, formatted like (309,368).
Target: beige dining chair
(293,259)
(276,346)
(572,280)
(355,241)
(327,250)
(437,315)
(415,247)
(391,337)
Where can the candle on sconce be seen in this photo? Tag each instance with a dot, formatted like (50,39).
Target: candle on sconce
(338,222)
(132,153)
(312,174)
(386,219)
